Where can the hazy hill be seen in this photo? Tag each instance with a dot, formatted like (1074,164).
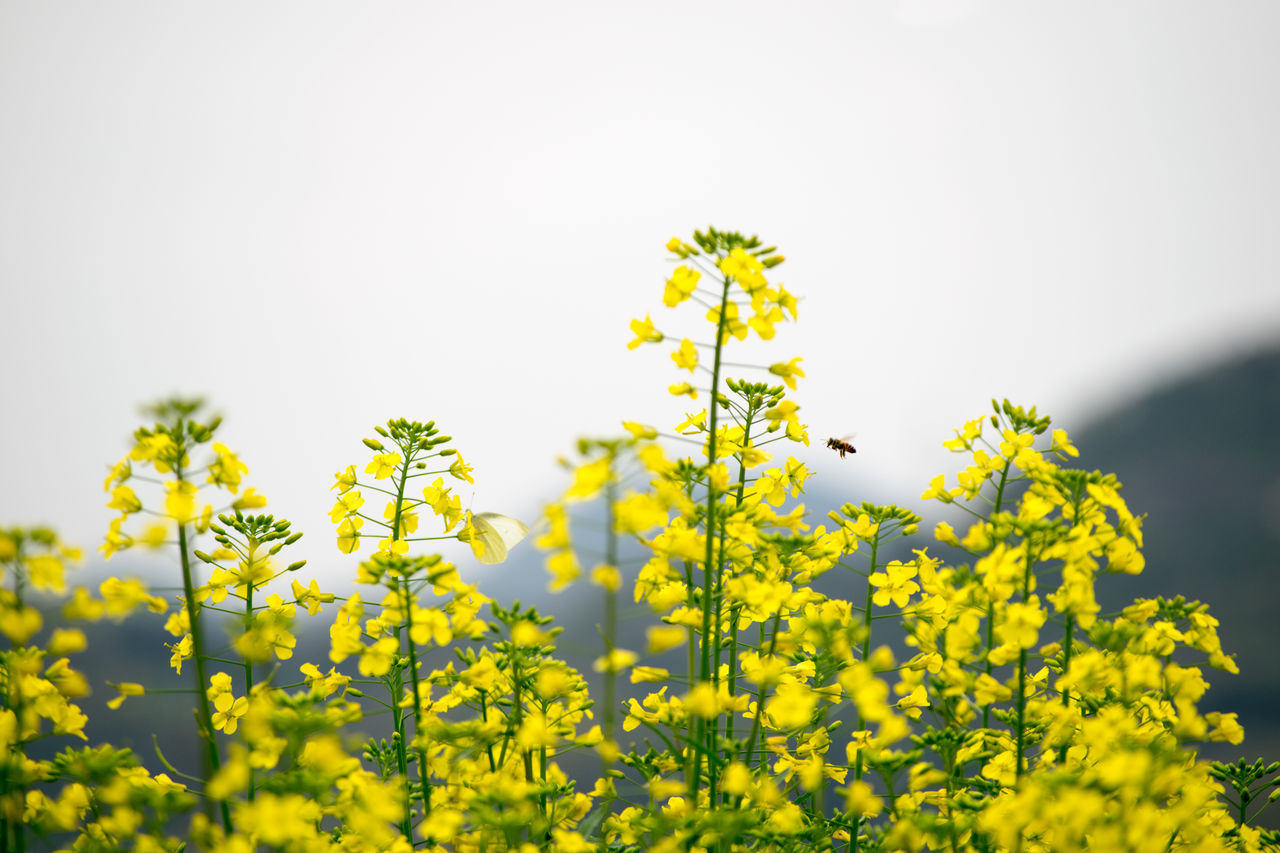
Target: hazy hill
(1201,457)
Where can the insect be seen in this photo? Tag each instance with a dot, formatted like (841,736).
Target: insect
(494,535)
(842,445)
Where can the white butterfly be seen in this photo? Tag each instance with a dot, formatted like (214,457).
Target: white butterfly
(494,535)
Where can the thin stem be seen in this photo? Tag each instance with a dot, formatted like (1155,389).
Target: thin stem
(1022,671)
(397,713)
(866,653)
(991,608)
(204,715)
(708,564)
(248,615)
(760,695)
(610,622)
(424,777)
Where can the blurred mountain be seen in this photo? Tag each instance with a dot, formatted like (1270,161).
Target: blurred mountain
(1201,457)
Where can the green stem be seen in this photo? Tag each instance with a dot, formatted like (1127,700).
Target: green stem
(204,715)
(991,610)
(610,621)
(708,574)
(397,692)
(484,716)
(518,719)
(866,653)
(749,754)
(250,558)
(1022,671)
(424,777)
(734,611)
(398,739)
(689,768)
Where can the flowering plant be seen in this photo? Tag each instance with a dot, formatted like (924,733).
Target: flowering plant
(1022,717)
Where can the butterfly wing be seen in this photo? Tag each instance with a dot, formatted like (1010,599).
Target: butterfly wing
(497,534)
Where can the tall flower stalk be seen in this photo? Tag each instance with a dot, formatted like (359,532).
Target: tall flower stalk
(166,448)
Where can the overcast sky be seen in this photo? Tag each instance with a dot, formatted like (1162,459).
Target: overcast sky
(324,215)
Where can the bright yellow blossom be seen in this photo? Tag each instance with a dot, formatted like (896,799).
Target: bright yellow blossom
(644,333)
(789,371)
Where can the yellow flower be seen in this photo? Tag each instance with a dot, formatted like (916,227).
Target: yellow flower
(383,465)
(482,675)
(650,674)
(431,624)
(460,470)
(663,637)
(944,532)
(227,469)
(938,490)
(683,389)
(1022,623)
(47,572)
(534,731)
(1062,445)
(324,683)
(226,717)
(615,661)
(180,502)
(607,576)
(894,584)
(376,660)
(564,569)
(788,370)
(122,597)
(588,479)
(349,534)
(1226,727)
(639,512)
(861,799)
(680,286)
(686,356)
(64,641)
(19,624)
(914,701)
(641,432)
(310,596)
(249,500)
(676,246)
(763,323)
(787,819)
(744,268)
(732,326)
(964,437)
(346,480)
(124,500)
(692,424)
(644,333)
(791,707)
(526,633)
(553,682)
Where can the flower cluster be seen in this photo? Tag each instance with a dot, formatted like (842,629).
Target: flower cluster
(102,794)
(766,715)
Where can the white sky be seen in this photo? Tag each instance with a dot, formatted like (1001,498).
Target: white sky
(323,215)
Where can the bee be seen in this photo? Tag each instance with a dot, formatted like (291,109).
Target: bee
(842,445)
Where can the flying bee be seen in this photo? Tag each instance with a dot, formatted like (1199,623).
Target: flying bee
(842,445)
